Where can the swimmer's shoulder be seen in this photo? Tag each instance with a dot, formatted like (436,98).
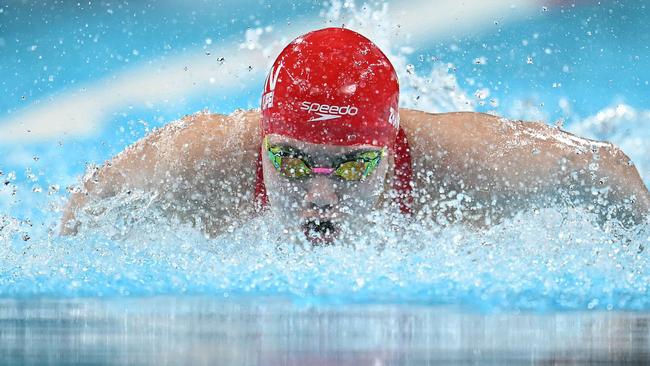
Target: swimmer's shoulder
(196,132)
(207,124)
(469,133)
(420,121)
(468,129)
(445,130)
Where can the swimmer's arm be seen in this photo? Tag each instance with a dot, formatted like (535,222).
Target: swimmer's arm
(592,169)
(191,163)
(125,171)
(493,158)
(602,165)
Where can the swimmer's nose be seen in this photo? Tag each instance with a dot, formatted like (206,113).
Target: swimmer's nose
(321,192)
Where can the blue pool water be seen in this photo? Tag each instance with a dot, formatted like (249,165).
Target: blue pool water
(82,81)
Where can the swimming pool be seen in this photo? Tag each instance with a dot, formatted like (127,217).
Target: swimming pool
(271,332)
(82,81)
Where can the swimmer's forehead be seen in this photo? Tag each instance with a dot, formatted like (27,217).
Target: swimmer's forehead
(325,150)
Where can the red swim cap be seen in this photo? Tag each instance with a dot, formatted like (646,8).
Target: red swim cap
(332,86)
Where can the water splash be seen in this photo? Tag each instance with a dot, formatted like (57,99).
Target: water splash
(626,127)
(548,261)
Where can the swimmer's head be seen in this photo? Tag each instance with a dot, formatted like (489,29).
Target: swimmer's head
(329,121)
(332,86)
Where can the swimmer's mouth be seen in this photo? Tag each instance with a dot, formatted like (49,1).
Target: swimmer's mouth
(320,232)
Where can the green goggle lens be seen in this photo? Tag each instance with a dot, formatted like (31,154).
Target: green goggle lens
(294,166)
(351,170)
(359,169)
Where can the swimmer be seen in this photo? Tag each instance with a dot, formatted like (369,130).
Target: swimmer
(329,146)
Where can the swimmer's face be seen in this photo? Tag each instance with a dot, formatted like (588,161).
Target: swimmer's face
(322,205)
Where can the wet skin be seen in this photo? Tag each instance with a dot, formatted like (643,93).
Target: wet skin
(202,170)
(320,205)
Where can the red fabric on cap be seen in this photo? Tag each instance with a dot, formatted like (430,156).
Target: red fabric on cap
(332,86)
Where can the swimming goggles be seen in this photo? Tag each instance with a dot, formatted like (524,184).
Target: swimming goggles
(295,164)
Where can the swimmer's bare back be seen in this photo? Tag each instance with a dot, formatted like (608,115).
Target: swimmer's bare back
(469,167)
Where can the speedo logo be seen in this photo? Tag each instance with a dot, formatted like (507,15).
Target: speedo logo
(326,112)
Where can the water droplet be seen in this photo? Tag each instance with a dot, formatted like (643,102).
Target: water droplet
(482,60)
(482,93)
(410,69)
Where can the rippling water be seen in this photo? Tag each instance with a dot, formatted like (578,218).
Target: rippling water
(202,331)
